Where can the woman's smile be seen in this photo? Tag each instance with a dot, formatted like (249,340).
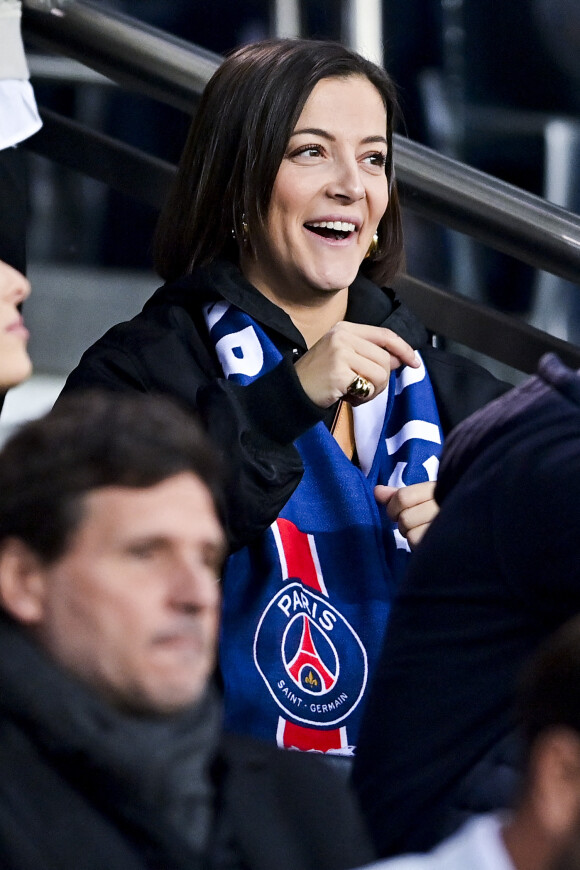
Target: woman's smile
(332,229)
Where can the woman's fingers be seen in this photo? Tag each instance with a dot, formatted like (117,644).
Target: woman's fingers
(412,507)
(400,352)
(415,535)
(378,342)
(347,351)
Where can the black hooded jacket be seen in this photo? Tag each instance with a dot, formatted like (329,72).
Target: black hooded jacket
(166,348)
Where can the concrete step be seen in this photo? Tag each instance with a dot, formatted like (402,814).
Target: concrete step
(71,306)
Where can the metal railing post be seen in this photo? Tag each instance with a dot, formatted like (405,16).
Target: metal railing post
(286,18)
(362,23)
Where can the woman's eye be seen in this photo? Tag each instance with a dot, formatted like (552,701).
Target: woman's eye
(307,151)
(377,159)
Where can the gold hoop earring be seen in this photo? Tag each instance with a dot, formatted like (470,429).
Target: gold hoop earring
(373,247)
(244,231)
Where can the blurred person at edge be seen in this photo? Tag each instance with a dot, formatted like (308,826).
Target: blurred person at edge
(281,227)
(15,365)
(543,831)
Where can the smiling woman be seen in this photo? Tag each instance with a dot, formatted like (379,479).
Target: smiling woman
(15,363)
(329,196)
(281,227)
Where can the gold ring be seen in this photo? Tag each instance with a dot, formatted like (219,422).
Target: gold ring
(360,388)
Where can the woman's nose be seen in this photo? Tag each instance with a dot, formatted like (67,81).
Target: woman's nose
(22,289)
(14,287)
(346,182)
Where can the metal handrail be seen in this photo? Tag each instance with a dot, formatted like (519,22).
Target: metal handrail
(135,55)
(494,212)
(152,62)
(118,165)
(499,336)
(435,186)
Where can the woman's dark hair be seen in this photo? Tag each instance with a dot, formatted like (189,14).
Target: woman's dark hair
(88,441)
(236,144)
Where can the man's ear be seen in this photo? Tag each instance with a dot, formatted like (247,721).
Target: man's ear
(22,582)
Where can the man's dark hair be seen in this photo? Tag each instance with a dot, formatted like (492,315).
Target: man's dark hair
(550,688)
(235,146)
(88,441)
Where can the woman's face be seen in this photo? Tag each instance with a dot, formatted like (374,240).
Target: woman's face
(329,195)
(15,363)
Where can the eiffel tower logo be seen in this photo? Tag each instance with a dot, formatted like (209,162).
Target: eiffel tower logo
(307,668)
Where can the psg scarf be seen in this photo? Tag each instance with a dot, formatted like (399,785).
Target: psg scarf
(305,607)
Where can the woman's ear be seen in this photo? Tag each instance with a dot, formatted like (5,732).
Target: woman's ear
(22,582)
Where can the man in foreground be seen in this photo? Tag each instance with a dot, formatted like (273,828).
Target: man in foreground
(543,833)
(111,756)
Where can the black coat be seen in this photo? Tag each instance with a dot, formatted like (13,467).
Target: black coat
(167,349)
(78,792)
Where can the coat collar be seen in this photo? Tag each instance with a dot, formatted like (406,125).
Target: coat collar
(367,303)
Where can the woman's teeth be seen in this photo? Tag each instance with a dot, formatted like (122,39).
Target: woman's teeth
(342,226)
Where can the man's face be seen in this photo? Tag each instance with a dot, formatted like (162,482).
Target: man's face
(132,608)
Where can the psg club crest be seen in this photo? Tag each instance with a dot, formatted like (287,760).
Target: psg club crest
(311,660)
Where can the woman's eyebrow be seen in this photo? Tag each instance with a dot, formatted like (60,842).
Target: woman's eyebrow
(316,131)
(369,139)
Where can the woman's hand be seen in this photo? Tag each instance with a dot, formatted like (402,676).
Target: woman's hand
(347,350)
(413,508)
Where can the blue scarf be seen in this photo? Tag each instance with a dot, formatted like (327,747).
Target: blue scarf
(305,608)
